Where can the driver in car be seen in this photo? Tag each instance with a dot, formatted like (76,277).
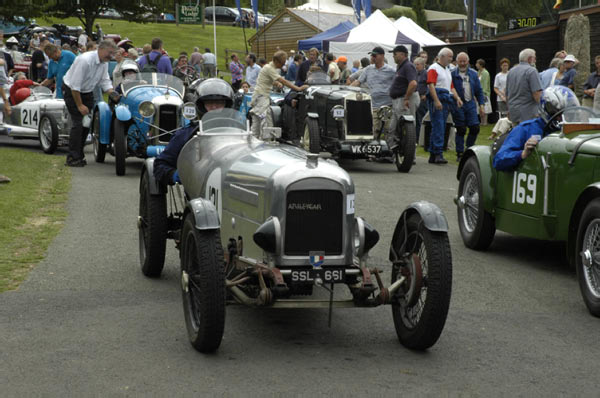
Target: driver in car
(19,91)
(213,95)
(523,139)
(129,71)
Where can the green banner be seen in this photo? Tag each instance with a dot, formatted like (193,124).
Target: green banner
(190,14)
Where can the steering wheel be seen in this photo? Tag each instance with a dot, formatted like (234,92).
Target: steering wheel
(572,108)
(189,73)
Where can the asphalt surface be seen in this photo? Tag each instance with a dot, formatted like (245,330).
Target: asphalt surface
(87,322)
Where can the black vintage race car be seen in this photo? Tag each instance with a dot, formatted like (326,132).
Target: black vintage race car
(338,119)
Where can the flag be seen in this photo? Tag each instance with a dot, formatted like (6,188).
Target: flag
(474,18)
(366,5)
(239,8)
(558,4)
(255,10)
(466,5)
(357,5)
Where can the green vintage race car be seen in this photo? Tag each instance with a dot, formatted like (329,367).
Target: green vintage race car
(554,194)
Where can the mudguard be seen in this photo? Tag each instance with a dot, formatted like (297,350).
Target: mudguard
(277,118)
(155,187)
(483,153)
(122,113)
(105,116)
(205,213)
(312,115)
(408,118)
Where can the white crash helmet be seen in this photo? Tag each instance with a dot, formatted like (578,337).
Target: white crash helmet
(129,66)
(556,99)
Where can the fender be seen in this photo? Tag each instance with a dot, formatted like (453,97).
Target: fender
(276,114)
(433,218)
(590,193)
(122,113)
(313,115)
(484,159)
(408,118)
(155,187)
(205,213)
(105,117)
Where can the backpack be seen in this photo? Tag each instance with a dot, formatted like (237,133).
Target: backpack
(151,66)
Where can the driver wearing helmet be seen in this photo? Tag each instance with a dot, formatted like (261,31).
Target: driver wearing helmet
(213,95)
(129,71)
(523,139)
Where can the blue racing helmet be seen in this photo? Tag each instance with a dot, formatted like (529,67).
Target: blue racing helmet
(555,99)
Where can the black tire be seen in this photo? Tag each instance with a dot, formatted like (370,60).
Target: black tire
(289,123)
(405,155)
(153,227)
(588,272)
(48,133)
(203,286)
(99,149)
(120,144)
(428,299)
(477,226)
(311,137)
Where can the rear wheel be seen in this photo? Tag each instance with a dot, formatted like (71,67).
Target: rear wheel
(99,148)
(311,139)
(477,226)
(120,143)
(153,227)
(48,134)
(405,154)
(588,257)
(420,306)
(203,286)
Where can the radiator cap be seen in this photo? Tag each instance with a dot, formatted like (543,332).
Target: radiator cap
(312,160)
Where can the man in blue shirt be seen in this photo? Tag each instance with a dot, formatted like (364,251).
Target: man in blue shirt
(469,90)
(156,57)
(60,62)
(523,139)
(569,75)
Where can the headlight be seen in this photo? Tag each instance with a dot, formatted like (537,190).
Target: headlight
(146,109)
(365,237)
(359,97)
(385,113)
(338,112)
(189,110)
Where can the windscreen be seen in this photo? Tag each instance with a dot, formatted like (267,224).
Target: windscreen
(319,78)
(153,80)
(223,121)
(580,114)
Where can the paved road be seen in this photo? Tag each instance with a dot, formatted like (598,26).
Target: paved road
(86,322)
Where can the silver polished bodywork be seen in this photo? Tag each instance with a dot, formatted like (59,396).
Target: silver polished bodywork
(248,181)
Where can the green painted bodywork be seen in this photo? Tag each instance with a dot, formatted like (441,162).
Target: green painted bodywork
(570,187)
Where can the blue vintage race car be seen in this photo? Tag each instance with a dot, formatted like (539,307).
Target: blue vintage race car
(143,121)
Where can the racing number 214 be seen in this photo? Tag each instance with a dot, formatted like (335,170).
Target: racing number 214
(524,188)
(29,117)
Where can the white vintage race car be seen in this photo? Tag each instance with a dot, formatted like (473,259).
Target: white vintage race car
(40,117)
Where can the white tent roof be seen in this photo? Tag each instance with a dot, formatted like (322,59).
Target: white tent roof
(377,29)
(411,29)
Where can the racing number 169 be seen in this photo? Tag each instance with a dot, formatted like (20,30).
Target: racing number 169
(524,188)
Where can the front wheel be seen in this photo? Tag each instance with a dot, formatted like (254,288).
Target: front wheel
(48,134)
(311,139)
(153,225)
(202,285)
(477,226)
(588,257)
(99,148)
(120,143)
(420,306)
(405,155)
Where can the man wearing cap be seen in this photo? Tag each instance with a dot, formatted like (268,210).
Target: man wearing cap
(570,72)
(469,90)
(378,76)
(403,90)
(440,101)
(344,71)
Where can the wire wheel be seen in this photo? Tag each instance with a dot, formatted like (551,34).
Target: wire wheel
(470,208)
(591,250)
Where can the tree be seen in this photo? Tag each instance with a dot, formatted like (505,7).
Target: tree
(88,10)
(16,10)
(419,9)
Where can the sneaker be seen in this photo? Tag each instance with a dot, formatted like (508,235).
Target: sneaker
(75,163)
(431,158)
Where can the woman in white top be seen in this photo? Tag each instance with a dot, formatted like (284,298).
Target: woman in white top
(500,86)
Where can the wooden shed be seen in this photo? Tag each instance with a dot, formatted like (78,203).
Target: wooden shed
(289,26)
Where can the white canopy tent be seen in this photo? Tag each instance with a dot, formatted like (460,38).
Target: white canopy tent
(377,30)
(411,29)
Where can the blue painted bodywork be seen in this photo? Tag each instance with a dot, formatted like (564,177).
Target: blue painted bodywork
(105,119)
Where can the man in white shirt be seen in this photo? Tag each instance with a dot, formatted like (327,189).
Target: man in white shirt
(209,65)
(82,40)
(252,70)
(88,71)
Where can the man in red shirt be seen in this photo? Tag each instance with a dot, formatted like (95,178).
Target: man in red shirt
(20,83)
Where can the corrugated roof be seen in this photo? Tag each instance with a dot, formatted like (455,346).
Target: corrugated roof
(322,20)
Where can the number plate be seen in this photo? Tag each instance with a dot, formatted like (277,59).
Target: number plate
(368,149)
(310,275)
(338,112)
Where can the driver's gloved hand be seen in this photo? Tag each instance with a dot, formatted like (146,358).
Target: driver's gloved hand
(175,178)
(114,97)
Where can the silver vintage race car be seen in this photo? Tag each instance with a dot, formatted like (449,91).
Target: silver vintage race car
(265,224)
(39,117)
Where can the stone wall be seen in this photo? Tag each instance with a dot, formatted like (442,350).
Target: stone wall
(577,42)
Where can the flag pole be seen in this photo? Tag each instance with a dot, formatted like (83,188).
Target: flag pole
(215,36)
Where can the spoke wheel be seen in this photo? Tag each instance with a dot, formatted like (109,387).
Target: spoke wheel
(477,226)
(48,134)
(405,154)
(120,143)
(420,306)
(203,286)
(99,148)
(153,225)
(311,139)
(588,257)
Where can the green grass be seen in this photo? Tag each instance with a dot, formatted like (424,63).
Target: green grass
(175,38)
(482,139)
(32,209)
